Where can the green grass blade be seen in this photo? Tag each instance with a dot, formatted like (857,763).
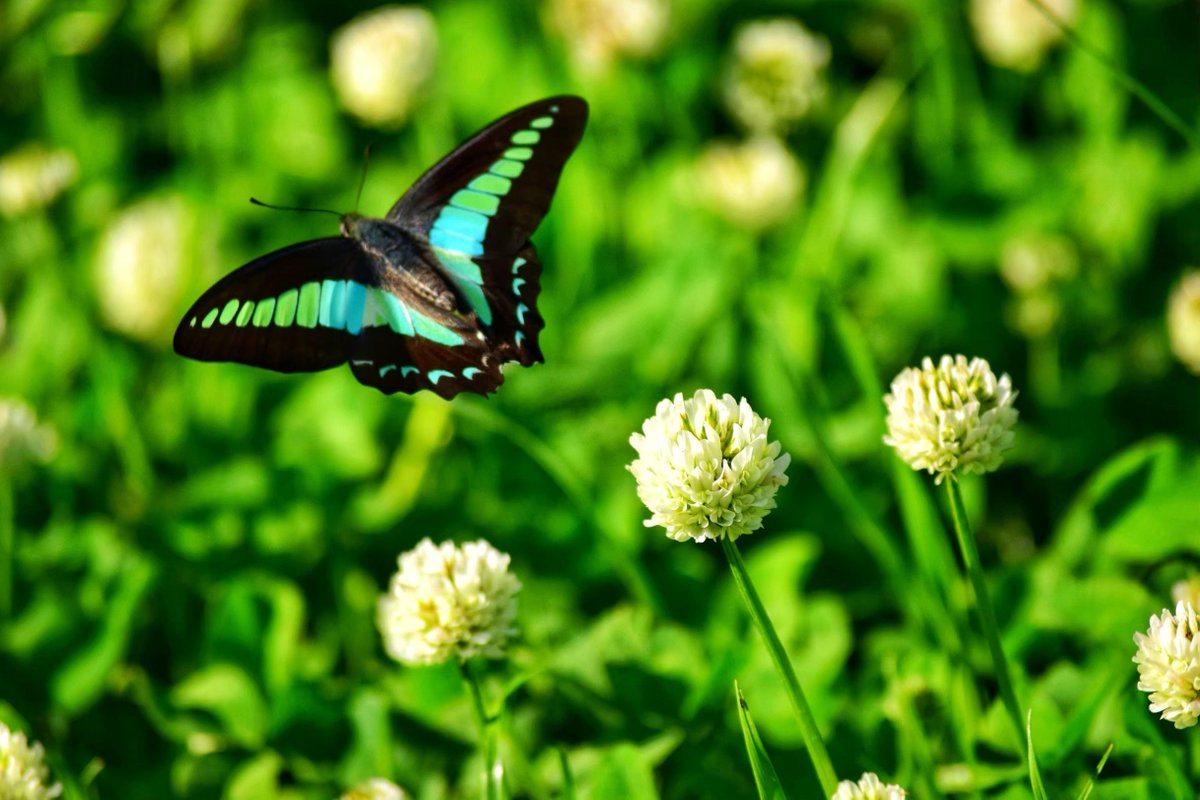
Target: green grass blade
(1091,784)
(1035,775)
(765,778)
(1127,81)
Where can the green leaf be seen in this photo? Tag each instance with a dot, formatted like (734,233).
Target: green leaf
(621,772)
(370,749)
(1141,468)
(256,779)
(760,762)
(227,693)
(81,680)
(1160,524)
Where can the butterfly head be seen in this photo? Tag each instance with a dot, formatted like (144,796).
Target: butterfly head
(353,224)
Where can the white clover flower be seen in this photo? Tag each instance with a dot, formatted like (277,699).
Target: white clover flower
(449,601)
(1168,659)
(22,439)
(1183,320)
(754,184)
(776,75)
(869,787)
(23,772)
(1015,34)
(381,61)
(1187,591)
(600,31)
(705,468)
(956,417)
(375,789)
(142,266)
(33,175)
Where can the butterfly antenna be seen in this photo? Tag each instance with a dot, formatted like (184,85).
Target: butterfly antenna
(363,180)
(273,207)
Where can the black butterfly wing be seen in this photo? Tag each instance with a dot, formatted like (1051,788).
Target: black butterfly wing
(479,205)
(425,364)
(292,310)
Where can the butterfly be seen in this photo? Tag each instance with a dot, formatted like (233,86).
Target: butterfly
(436,295)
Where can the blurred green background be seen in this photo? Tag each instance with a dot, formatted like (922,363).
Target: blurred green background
(788,213)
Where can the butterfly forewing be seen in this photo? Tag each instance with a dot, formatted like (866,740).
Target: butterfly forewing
(292,310)
(506,175)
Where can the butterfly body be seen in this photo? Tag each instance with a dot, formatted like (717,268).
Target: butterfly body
(437,295)
(401,263)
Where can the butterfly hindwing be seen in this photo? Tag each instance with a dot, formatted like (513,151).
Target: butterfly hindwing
(424,364)
(511,287)
(287,311)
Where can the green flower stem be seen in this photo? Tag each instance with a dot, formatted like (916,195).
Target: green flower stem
(991,632)
(7,547)
(492,769)
(808,724)
(1127,81)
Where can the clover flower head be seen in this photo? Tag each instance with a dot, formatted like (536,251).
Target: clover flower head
(753,184)
(23,772)
(598,32)
(375,789)
(33,175)
(22,439)
(705,467)
(1183,320)
(1015,34)
(447,600)
(776,74)
(1187,591)
(142,265)
(1168,659)
(950,419)
(381,61)
(868,787)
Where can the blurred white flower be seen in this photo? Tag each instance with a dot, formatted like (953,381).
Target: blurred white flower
(33,175)
(1015,34)
(22,439)
(869,787)
(1032,261)
(1187,591)
(375,789)
(956,417)
(600,31)
(1183,320)
(449,601)
(776,75)
(142,267)
(23,772)
(1034,314)
(382,61)
(705,468)
(1168,659)
(1032,264)
(754,184)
